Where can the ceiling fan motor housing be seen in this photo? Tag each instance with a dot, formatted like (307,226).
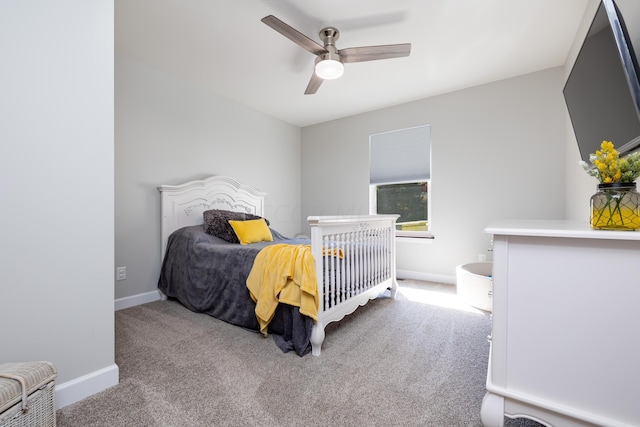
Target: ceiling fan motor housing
(329,36)
(329,65)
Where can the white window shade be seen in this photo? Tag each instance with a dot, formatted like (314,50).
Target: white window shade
(400,156)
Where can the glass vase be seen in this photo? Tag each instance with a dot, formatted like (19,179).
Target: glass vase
(616,207)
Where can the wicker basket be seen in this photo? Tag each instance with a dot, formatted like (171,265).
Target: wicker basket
(27,394)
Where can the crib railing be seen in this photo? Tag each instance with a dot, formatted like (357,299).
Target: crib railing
(354,260)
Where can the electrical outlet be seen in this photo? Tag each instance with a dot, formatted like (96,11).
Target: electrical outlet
(121,273)
(482,257)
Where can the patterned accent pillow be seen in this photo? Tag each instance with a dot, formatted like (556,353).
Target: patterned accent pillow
(216,223)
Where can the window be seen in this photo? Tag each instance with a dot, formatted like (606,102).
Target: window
(400,178)
(409,200)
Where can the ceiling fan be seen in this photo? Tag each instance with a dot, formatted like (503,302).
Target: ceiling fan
(330,61)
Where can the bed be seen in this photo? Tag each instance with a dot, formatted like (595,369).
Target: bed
(353,259)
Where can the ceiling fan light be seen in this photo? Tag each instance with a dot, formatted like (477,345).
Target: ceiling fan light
(329,69)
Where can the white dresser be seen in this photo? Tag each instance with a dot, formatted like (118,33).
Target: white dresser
(565,341)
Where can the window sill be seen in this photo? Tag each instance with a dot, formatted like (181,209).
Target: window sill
(415,235)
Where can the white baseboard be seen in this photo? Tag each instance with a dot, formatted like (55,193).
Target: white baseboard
(428,277)
(126,302)
(82,387)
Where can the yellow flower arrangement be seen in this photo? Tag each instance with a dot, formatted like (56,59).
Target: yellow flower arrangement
(616,206)
(609,168)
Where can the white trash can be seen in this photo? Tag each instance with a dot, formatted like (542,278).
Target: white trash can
(474,284)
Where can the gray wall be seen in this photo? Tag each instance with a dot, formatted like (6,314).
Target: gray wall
(630,10)
(168,132)
(497,153)
(56,190)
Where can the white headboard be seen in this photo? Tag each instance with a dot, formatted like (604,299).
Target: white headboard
(182,205)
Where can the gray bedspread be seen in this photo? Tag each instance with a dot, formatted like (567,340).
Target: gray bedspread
(208,275)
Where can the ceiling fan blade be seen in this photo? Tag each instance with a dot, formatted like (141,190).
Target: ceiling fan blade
(372,53)
(314,84)
(294,35)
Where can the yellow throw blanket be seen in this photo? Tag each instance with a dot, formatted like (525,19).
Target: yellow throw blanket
(283,273)
(335,252)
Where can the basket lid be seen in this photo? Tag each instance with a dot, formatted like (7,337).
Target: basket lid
(32,374)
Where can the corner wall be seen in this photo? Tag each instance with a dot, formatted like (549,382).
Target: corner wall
(56,190)
(169,131)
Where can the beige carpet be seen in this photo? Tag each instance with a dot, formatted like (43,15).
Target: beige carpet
(391,363)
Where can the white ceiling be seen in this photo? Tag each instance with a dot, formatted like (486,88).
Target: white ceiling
(222,45)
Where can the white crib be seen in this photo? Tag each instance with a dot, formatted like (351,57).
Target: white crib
(363,268)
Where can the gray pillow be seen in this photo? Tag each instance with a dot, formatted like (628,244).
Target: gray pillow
(216,223)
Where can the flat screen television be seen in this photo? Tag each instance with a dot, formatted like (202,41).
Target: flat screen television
(602,91)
